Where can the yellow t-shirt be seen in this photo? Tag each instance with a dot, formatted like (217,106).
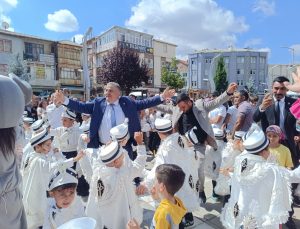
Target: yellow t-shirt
(283,155)
(168,215)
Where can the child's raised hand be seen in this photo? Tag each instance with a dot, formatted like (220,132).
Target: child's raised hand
(132,224)
(79,155)
(138,137)
(141,189)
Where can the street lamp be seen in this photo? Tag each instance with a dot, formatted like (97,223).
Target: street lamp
(86,77)
(293,52)
(211,80)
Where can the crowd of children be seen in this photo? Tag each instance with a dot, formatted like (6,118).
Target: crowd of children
(62,179)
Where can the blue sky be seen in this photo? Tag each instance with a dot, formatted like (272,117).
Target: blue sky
(191,24)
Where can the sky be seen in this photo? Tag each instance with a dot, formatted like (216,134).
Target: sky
(191,24)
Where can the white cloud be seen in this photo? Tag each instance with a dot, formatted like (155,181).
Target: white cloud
(191,24)
(5,7)
(264,6)
(77,38)
(62,21)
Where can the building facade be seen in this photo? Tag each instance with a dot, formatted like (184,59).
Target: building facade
(182,68)
(163,54)
(242,66)
(38,55)
(117,36)
(275,70)
(69,66)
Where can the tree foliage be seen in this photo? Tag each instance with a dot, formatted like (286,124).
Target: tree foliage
(250,86)
(171,77)
(123,66)
(220,78)
(19,67)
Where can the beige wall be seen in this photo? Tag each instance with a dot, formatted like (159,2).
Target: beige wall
(163,51)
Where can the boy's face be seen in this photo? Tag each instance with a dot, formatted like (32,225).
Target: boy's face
(117,163)
(67,122)
(45,147)
(273,138)
(64,197)
(157,190)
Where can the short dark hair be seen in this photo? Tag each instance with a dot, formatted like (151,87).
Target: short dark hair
(172,176)
(254,98)
(244,93)
(281,79)
(182,97)
(215,94)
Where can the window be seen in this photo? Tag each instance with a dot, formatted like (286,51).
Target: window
(206,72)
(240,71)
(226,60)
(5,45)
(33,51)
(240,82)
(253,59)
(240,59)
(252,72)
(184,74)
(68,73)
(165,47)
(122,37)
(207,60)
(262,59)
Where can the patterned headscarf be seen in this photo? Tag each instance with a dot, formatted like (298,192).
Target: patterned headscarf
(275,129)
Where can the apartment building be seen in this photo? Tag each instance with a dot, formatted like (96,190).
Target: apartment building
(69,66)
(38,54)
(163,54)
(118,36)
(241,65)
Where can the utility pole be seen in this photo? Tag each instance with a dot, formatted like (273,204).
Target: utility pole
(86,77)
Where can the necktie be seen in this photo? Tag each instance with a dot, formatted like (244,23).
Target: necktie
(113,116)
(277,116)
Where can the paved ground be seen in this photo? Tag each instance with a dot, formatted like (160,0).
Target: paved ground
(207,217)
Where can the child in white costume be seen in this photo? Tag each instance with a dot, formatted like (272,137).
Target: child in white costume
(213,158)
(231,151)
(64,204)
(112,201)
(172,151)
(260,191)
(67,138)
(37,171)
(36,127)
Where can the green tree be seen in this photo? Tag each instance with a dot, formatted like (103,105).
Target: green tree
(220,78)
(19,67)
(123,66)
(250,86)
(171,77)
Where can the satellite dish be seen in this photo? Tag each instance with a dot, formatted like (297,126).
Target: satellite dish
(5,25)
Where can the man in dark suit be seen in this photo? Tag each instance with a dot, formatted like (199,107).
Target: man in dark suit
(111,110)
(275,110)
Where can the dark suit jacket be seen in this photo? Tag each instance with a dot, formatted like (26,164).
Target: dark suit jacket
(97,108)
(267,118)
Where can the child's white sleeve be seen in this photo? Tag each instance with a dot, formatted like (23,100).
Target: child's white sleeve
(293,176)
(149,180)
(86,168)
(139,163)
(47,166)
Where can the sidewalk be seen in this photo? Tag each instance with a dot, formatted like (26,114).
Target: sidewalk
(207,217)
